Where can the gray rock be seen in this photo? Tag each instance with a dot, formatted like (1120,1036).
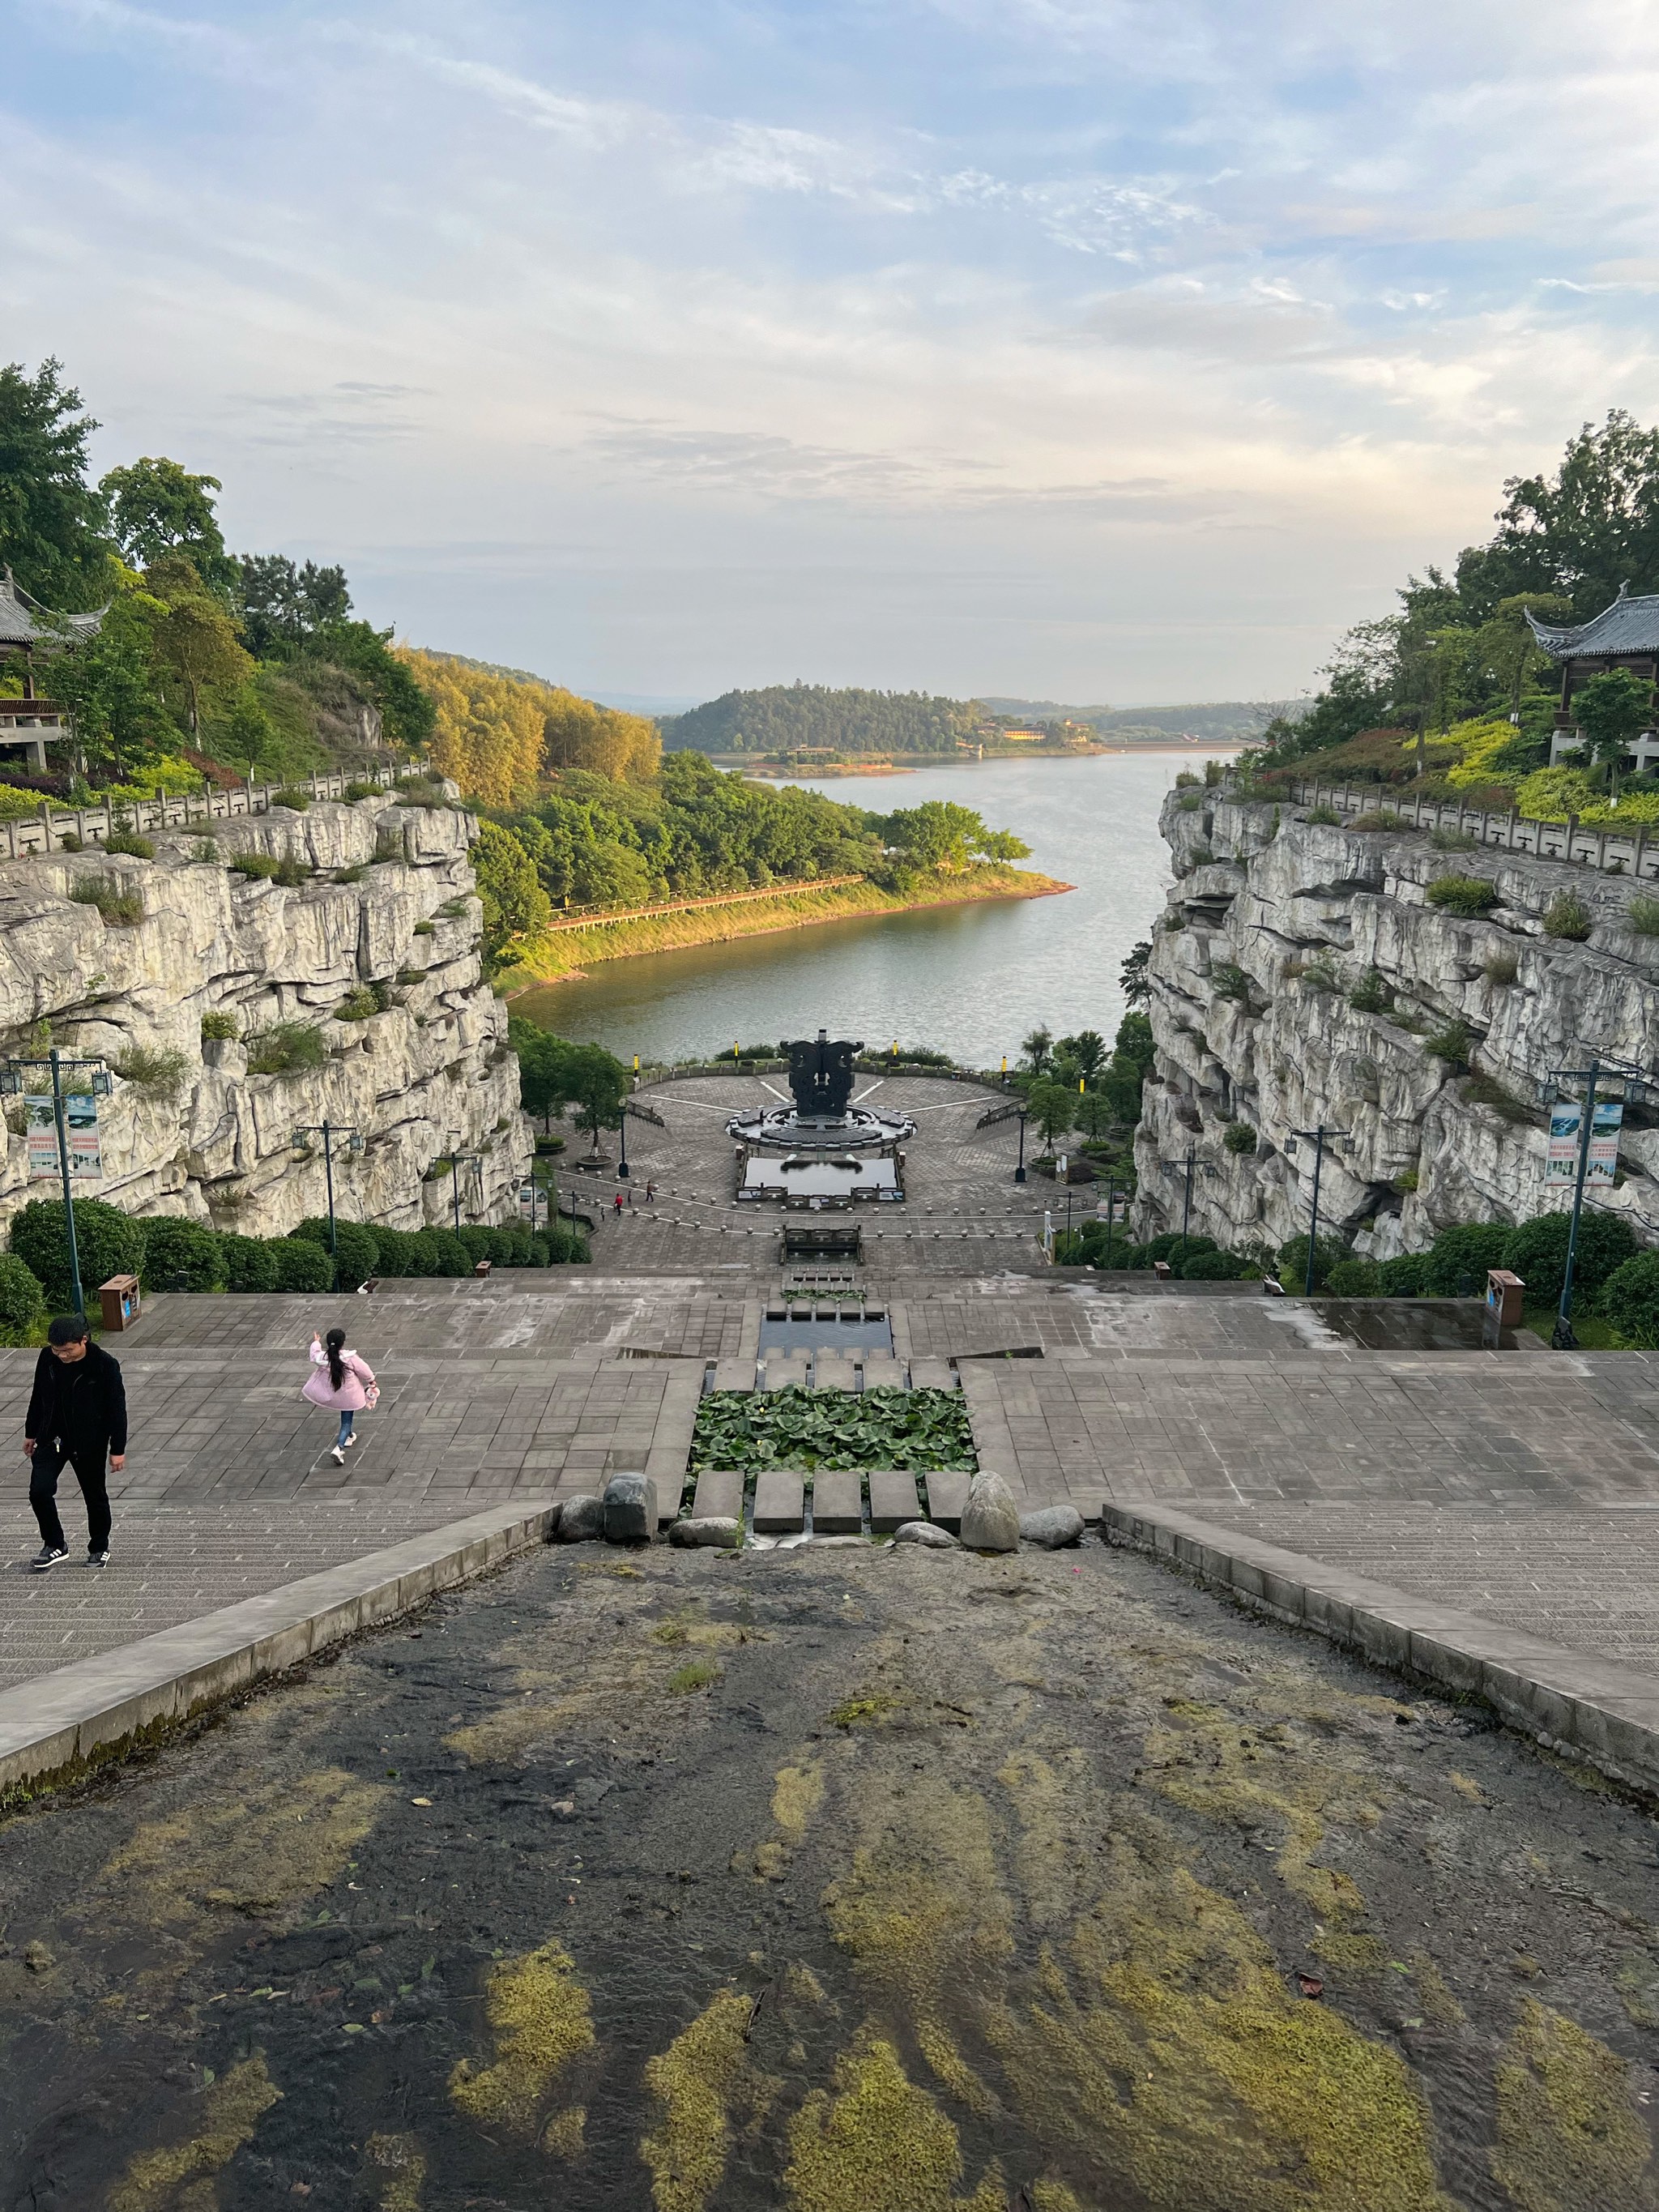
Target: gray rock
(990,1519)
(1051,1527)
(713,1530)
(630,1509)
(581,1518)
(928,1533)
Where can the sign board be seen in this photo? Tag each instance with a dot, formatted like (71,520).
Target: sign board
(80,1127)
(1567,1128)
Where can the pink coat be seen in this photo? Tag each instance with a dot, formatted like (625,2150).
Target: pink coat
(351,1396)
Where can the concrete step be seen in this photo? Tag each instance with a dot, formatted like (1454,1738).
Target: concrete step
(837,1502)
(778,1503)
(893,1501)
(718,1495)
(947,1494)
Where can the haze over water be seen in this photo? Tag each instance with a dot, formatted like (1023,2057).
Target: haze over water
(970,981)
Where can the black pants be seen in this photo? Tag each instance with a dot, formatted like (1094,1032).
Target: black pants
(87,1460)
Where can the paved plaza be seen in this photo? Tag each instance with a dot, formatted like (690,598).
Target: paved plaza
(1495,1480)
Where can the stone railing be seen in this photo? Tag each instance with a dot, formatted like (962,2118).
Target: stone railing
(44,832)
(1632,852)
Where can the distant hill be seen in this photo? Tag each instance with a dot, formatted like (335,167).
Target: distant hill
(1216,720)
(788,717)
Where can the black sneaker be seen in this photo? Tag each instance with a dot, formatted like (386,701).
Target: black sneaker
(46,1557)
(97,1559)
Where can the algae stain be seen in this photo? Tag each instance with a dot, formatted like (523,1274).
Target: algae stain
(695,1674)
(797,1793)
(868,1710)
(161,2180)
(395,2169)
(878,2143)
(1568,2135)
(541,2021)
(703,2083)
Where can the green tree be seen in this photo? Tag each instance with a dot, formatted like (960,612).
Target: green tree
(196,643)
(1133,978)
(940,835)
(180,1254)
(1133,1042)
(1630,1300)
(156,508)
(109,1241)
(284,607)
(543,1069)
(51,520)
(515,906)
(1506,646)
(1586,530)
(1536,1250)
(248,732)
(597,1084)
(1037,1047)
(1085,1052)
(111,683)
(1052,1107)
(1612,710)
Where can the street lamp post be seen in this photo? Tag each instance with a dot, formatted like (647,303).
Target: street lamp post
(11,1081)
(1019,1171)
(622,1164)
(455,1158)
(1319,1138)
(328,1131)
(1638,1088)
(1190,1166)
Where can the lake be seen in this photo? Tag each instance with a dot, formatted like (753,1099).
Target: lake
(970,981)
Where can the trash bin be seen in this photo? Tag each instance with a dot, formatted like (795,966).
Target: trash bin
(481,1266)
(1503,1309)
(120,1299)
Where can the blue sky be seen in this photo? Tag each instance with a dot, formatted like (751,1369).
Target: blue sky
(1076,348)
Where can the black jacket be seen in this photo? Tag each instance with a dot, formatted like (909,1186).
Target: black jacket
(83,1400)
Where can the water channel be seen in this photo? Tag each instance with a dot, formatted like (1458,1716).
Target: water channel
(970,981)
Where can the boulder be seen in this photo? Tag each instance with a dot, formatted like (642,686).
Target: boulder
(581,1518)
(630,1509)
(990,1519)
(713,1530)
(1051,1525)
(928,1533)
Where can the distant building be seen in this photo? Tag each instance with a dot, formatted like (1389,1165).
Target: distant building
(1624,635)
(1025,737)
(30,724)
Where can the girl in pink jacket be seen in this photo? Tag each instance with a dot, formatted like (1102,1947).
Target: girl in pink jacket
(342,1382)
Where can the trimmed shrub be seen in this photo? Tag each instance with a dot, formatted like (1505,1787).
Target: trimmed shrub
(477,1238)
(300,1265)
(1456,1267)
(1567,916)
(22,1302)
(1401,1277)
(1630,1300)
(181,1256)
(286,1049)
(1353,1279)
(1536,1250)
(454,1258)
(398,1252)
(1329,1253)
(220,1027)
(1214,1267)
(249,1263)
(1468,895)
(356,1249)
(1239,1138)
(110,1243)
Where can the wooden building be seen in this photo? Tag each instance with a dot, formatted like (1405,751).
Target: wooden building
(1624,635)
(29,632)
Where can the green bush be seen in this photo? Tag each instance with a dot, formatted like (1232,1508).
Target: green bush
(1502,969)
(152,1072)
(180,1254)
(1468,895)
(123,840)
(221,1028)
(284,870)
(1326,816)
(1239,1138)
(424,929)
(23,1303)
(285,1049)
(1643,914)
(1455,1267)
(356,1249)
(1566,915)
(1402,1276)
(300,1265)
(408,977)
(1370,994)
(1451,1043)
(359,1004)
(1229,981)
(398,1251)
(1380,817)
(1329,1253)
(1453,841)
(293,797)
(354,791)
(1536,1250)
(477,1238)
(1213,1267)
(1354,1278)
(249,1263)
(454,1258)
(118,907)
(111,1243)
(1630,1300)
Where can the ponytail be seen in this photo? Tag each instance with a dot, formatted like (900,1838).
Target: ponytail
(334,1344)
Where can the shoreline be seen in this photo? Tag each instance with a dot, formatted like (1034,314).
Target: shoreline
(574,950)
(769,772)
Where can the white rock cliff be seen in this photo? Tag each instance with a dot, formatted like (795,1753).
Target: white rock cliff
(1272,922)
(392,903)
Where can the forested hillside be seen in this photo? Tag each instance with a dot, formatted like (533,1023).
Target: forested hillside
(500,734)
(784,717)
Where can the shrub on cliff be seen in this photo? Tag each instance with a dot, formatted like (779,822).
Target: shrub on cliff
(111,1243)
(356,1249)
(1630,1300)
(23,1303)
(1468,895)
(288,1048)
(1456,1266)
(1537,1252)
(1567,916)
(180,1254)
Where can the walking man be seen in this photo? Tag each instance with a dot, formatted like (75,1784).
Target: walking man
(78,1412)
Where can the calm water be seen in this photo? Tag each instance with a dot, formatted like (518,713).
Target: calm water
(969,981)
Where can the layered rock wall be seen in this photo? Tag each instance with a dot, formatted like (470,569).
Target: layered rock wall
(391,904)
(1274,922)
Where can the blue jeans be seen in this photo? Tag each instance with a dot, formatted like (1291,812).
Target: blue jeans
(347,1423)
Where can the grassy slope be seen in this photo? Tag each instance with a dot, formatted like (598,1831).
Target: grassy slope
(571,951)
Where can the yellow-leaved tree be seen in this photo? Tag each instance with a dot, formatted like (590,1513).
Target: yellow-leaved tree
(498,735)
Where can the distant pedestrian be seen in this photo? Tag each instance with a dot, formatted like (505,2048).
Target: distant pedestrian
(619,1202)
(650,1194)
(343,1383)
(78,1412)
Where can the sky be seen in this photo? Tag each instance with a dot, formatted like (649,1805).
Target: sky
(1083,349)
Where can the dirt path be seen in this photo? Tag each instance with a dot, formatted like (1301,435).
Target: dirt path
(836,1881)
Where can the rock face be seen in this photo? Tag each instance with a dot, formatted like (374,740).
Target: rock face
(1273,923)
(990,1519)
(390,913)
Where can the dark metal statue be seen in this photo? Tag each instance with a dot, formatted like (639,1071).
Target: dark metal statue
(821,1074)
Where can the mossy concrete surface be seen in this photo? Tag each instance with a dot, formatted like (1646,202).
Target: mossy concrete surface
(960,1884)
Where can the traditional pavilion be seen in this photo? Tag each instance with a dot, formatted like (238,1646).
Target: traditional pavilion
(1624,635)
(32,723)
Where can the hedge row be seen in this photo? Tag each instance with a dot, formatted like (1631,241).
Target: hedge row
(167,1252)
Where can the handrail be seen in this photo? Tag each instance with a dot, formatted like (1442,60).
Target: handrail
(32,835)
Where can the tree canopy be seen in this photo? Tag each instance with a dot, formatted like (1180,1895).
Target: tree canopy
(52,521)
(788,717)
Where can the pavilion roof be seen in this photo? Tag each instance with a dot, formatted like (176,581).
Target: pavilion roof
(1627,626)
(24,621)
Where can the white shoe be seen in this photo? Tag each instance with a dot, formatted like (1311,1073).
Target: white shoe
(348,1444)
(337,1456)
